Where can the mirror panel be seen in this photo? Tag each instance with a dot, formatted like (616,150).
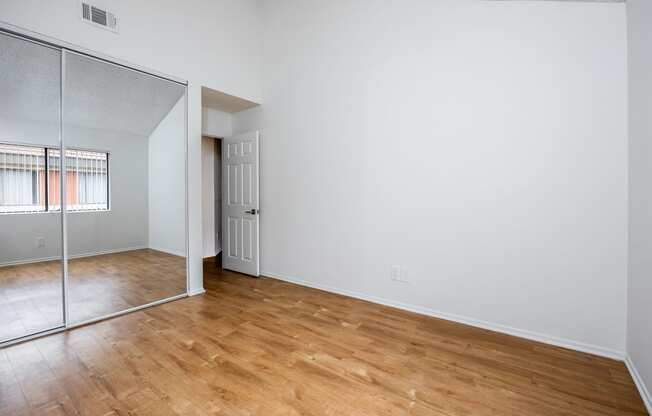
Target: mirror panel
(31,272)
(124,140)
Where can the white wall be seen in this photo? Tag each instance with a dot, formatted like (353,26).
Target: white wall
(482,145)
(247,120)
(216,123)
(639,324)
(222,52)
(167,183)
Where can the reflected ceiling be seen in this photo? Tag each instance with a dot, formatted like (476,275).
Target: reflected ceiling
(29,81)
(97,94)
(107,96)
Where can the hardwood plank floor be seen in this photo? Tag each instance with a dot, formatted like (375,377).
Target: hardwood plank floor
(31,294)
(265,347)
(100,285)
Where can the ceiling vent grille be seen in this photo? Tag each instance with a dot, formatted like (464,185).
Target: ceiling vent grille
(99,17)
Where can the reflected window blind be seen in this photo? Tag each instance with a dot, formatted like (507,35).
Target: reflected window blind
(23,173)
(22,179)
(87,182)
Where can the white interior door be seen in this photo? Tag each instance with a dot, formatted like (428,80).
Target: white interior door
(240,203)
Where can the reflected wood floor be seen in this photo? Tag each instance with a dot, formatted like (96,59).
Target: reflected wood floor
(265,347)
(31,294)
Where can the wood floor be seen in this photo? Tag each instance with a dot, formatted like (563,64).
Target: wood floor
(31,294)
(264,347)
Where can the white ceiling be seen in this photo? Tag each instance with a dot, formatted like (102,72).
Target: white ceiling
(96,94)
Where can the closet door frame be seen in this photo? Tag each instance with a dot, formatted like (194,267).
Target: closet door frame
(66,48)
(59,146)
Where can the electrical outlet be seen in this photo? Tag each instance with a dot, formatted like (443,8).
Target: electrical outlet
(399,273)
(40,242)
(396,273)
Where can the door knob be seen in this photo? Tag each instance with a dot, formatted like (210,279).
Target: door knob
(253,211)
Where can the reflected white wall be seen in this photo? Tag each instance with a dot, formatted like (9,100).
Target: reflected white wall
(167,183)
(124,227)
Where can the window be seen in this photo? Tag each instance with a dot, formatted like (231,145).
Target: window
(30,179)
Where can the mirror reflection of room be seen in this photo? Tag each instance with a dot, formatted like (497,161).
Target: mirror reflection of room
(31,271)
(124,139)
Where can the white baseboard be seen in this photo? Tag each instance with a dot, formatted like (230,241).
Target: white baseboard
(28,261)
(196,292)
(73,256)
(168,251)
(534,336)
(640,384)
(101,252)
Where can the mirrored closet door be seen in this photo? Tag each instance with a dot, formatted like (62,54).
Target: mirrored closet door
(124,140)
(92,188)
(31,268)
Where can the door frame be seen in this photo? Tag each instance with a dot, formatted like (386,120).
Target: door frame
(222,236)
(220,139)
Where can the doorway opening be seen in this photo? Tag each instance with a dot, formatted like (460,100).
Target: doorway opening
(230,184)
(211,151)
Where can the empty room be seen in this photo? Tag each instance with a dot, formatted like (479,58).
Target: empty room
(312,207)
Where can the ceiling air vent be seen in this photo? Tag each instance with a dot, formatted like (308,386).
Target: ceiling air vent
(99,17)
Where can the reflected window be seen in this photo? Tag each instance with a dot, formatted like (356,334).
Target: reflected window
(22,179)
(24,188)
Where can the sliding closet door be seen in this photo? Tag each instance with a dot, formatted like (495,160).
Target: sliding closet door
(124,151)
(31,274)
